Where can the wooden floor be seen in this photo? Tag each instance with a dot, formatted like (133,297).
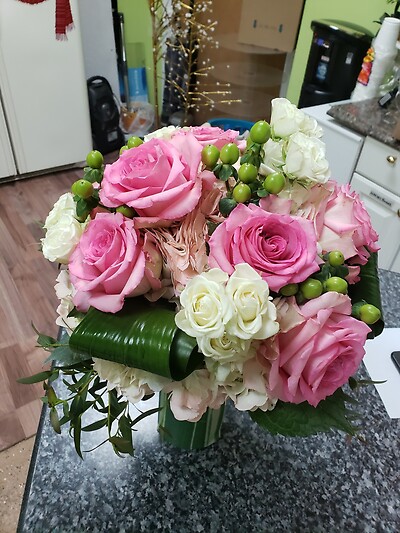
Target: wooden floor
(27,296)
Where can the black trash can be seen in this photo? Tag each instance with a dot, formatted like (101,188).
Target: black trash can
(335,59)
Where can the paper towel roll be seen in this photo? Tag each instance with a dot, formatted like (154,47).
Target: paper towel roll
(378,61)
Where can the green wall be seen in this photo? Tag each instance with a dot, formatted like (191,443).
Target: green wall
(361,12)
(138,30)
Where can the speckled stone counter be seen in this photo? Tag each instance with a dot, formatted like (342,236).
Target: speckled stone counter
(249,481)
(369,119)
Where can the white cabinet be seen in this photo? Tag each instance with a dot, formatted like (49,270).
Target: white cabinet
(377,180)
(383,207)
(343,146)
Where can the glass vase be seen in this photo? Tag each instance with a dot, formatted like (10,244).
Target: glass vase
(189,435)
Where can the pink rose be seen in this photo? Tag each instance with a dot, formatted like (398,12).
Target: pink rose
(347,226)
(211,135)
(312,359)
(281,248)
(109,264)
(159,179)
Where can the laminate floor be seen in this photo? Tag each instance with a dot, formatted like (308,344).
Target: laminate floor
(26,296)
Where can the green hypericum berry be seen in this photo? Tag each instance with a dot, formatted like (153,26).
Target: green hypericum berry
(127,211)
(133,142)
(336,284)
(241,193)
(229,153)
(289,290)
(369,314)
(82,188)
(123,149)
(94,159)
(260,132)
(274,183)
(210,156)
(247,173)
(311,288)
(335,258)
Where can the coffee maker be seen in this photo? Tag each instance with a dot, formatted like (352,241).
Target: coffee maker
(334,62)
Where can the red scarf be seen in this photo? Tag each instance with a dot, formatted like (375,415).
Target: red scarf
(64,21)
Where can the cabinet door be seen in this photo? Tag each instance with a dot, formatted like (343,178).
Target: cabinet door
(43,87)
(382,207)
(7,167)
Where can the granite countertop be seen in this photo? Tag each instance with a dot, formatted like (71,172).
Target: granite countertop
(248,481)
(369,119)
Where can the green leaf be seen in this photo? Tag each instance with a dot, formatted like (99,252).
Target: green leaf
(64,356)
(122,445)
(368,289)
(36,378)
(77,436)
(225,173)
(96,425)
(303,419)
(54,420)
(142,335)
(262,193)
(92,174)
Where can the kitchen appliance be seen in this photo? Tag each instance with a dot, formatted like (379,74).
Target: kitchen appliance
(334,62)
(44,111)
(104,116)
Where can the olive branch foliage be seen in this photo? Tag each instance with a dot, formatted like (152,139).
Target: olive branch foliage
(87,392)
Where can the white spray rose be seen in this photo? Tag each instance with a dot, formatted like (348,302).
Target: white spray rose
(254,313)
(165,133)
(61,238)
(305,159)
(205,306)
(274,157)
(64,205)
(224,349)
(287,119)
(65,292)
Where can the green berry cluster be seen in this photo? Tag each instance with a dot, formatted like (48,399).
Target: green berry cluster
(249,185)
(331,277)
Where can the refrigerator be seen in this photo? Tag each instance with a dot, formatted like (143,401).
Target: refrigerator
(44,111)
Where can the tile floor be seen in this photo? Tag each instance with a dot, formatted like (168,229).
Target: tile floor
(14,465)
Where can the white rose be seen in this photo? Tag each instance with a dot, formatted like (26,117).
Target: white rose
(224,349)
(61,238)
(274,157)
(255,315)
(65,292)
(286,118)
(205,306)
(305,159)
(162,133)
(64,205)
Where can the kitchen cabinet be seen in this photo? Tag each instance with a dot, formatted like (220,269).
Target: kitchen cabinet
(44,111)
(377,180)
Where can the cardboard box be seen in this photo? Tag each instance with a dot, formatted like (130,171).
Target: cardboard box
(270,23)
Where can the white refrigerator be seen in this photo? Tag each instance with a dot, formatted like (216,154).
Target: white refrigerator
(44,111)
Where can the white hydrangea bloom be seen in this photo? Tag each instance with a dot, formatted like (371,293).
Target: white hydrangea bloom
(65,292)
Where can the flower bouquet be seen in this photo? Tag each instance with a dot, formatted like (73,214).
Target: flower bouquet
(208,267)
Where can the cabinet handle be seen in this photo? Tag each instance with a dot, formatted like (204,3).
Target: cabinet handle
(391,159)
(398,213)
